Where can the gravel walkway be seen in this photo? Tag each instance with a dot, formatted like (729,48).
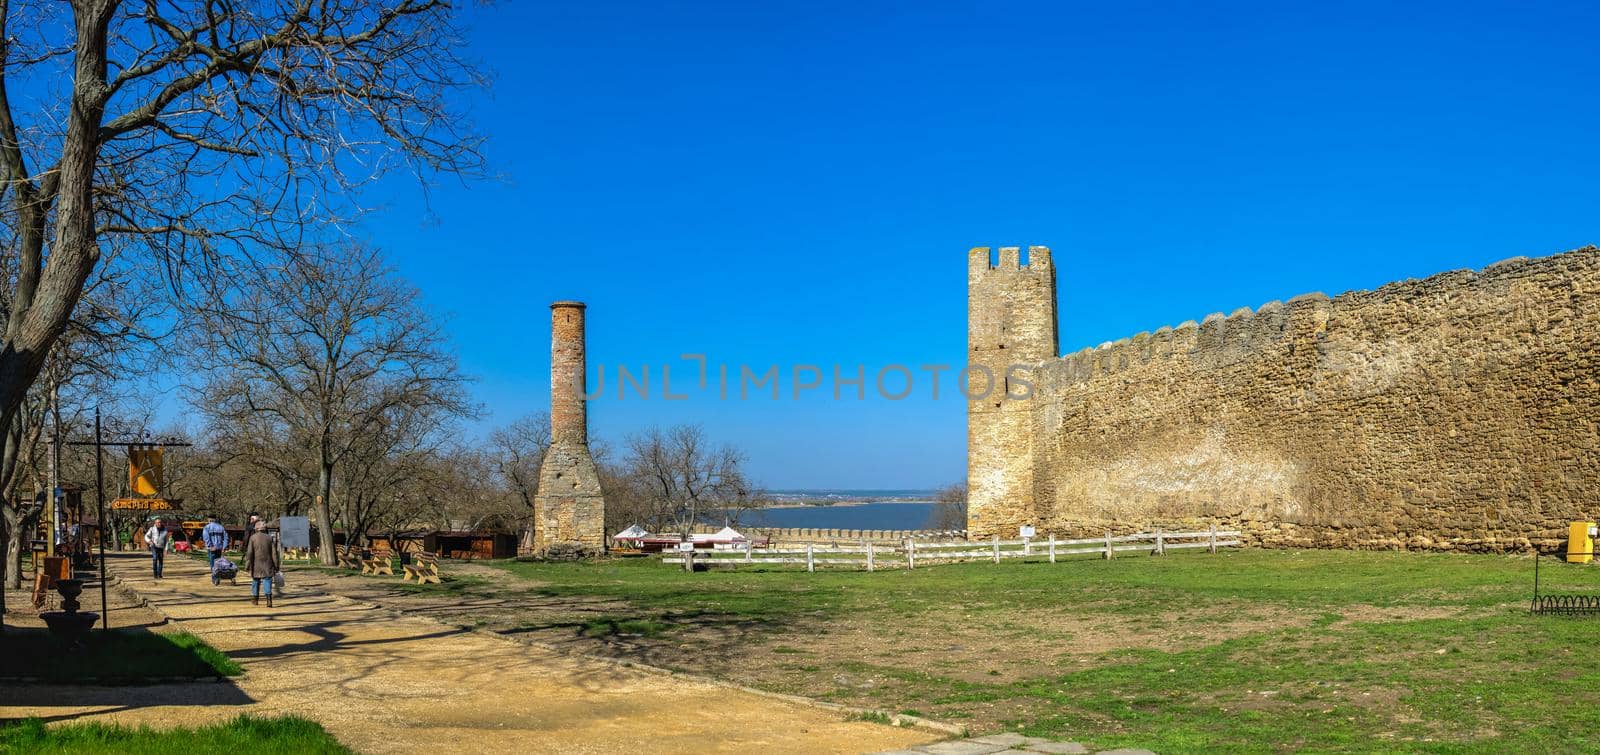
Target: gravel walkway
(382,683)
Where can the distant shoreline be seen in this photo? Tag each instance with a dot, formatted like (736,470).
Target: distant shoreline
(843,504)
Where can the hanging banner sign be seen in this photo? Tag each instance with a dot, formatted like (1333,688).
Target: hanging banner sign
(145,471)
(147,504)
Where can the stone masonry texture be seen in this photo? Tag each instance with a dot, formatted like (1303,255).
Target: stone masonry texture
(1458,411)
(569,509)
(1011,319)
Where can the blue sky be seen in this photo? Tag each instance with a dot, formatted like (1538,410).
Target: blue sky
(771,183)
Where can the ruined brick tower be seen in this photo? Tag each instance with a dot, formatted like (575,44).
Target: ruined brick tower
(1011,320)
(569,510)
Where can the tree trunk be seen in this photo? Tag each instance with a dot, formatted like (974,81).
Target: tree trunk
(18,525)
(39,316)
(325,514)
(14,557)
(13,548)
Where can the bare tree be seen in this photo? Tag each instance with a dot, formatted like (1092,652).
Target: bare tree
(237,468)
(472,495)
(20,462)
(949,508)
(255,448)
(327,352)
(84,368)
(196,136)
(518,450)
(396,473)
(675,477)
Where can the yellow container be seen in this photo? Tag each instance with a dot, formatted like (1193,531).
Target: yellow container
(1580,544)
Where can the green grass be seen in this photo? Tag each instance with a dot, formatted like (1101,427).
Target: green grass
(212,657)
(124,656)
(245,734)
(1292,650)
(871,716)
(1299,579)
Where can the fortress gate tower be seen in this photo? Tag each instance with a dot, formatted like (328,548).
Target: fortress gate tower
(569,511)
(1011,324)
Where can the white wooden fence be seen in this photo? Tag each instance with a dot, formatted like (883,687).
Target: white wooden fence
(907,554)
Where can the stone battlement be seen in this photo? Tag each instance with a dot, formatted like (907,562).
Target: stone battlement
(981,260)
(1220,338)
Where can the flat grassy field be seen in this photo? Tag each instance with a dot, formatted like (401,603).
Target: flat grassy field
(245,734)
(1250,650)
(122,656)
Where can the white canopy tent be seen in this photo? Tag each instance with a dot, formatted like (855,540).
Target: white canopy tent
(633,531)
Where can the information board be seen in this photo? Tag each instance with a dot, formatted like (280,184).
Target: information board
(294,531)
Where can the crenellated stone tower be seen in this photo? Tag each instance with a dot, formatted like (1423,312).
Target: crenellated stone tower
(1011,321)
(569,510)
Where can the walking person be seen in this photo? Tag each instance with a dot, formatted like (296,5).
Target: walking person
(156,539)
(261,555)
(215,538)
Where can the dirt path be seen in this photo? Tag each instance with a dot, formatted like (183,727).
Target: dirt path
(381,682)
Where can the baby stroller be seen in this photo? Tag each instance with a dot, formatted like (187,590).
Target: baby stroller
(222,569)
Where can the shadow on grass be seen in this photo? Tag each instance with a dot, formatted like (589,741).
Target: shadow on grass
(101,700)
(121,656)
(124,669)
(682,640)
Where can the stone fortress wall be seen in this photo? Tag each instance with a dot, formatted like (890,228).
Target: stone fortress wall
(1458,411)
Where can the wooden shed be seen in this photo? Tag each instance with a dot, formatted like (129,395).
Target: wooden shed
(471,544)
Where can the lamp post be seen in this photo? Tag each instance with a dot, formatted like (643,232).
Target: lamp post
(100,511)
(99,444)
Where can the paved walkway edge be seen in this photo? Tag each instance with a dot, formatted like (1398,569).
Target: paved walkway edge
(895,719)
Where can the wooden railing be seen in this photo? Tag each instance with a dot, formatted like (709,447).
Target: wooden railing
(907,554)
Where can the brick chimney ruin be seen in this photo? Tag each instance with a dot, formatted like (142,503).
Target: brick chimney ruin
(569,511)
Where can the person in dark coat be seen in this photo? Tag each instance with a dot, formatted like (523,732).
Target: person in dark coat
(261,557)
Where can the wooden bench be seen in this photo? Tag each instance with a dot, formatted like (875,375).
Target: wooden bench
(424,567)
(348,558)
(377,562)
